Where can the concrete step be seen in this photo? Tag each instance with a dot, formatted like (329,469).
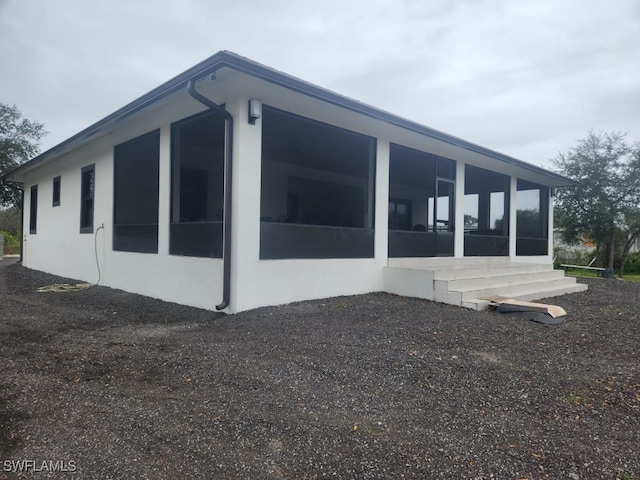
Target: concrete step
(446,263)
(553,292)
(410,282)
(483,304)
(500,277)
(485,270)
(512,290)
(516,290)
(469,281)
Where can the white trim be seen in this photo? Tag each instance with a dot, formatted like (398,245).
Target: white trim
(381,242)
(164,190)
(458,235)
(513,215)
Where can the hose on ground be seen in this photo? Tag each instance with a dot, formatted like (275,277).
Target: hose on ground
(65,287)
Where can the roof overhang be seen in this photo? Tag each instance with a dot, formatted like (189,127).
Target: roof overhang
(241,64)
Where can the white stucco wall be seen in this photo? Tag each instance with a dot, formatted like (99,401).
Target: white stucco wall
(58,246)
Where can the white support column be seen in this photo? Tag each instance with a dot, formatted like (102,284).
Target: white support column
(164,193)
(513,198)
(458,236)
(381,248)
(245,218)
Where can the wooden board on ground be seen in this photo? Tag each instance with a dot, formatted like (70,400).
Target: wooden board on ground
(519,306)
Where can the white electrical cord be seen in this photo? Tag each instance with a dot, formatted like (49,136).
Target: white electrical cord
(76,287)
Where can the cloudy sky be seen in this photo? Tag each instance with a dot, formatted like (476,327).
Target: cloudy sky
(527,78)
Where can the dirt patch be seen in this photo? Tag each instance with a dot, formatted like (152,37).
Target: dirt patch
(370,386)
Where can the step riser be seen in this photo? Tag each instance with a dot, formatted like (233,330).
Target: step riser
(489,270)
(498,280)
(578,287)
(478,304)
(475,299)
(436,263)
(520,289)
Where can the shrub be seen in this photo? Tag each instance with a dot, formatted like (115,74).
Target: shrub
(11,243)
(633,263)
(10,220)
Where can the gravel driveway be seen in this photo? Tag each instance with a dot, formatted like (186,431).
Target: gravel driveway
(114,385)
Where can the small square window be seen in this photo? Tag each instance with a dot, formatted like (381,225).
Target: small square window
(56,191)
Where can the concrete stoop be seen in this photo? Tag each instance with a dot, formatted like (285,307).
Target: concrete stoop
(468,282)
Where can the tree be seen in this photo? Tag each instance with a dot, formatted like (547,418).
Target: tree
(19,142)
(470,221)
(10,220)
(606,205)
(633,222)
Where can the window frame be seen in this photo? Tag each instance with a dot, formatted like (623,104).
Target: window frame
(87,227)
(56,191)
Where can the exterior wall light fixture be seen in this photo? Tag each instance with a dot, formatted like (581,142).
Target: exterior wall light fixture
(255,110)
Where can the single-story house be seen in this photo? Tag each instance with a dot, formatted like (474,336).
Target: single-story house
(234,186)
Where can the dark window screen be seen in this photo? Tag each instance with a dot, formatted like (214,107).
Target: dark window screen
(400,215)
(56,191)
(87,192)
(33,209)
(317,189)
(135,200)
(197,185)
(532,219)
(486,212)
(421,203)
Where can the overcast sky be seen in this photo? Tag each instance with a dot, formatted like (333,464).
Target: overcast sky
(525,78)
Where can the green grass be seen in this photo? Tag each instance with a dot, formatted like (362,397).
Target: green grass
(575,272)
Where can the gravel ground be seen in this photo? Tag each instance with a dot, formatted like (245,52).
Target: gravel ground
(115,385)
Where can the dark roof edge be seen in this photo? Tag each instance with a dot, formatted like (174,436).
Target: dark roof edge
(249,67)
